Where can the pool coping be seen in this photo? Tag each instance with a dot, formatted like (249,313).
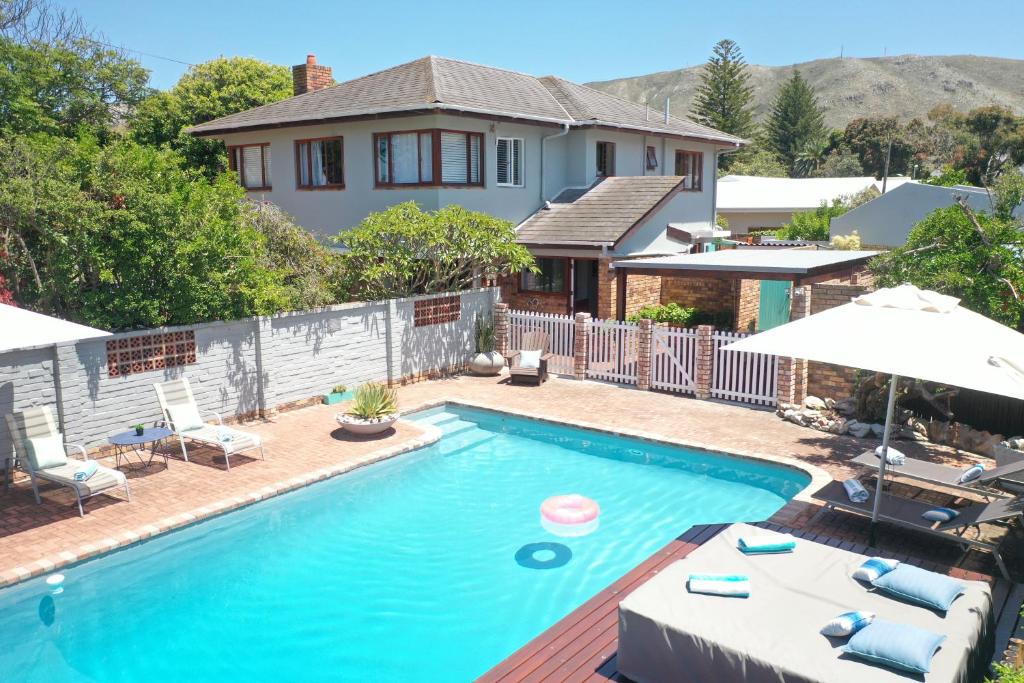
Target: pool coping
(430,435)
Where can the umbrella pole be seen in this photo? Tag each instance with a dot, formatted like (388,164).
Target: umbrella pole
(883,460)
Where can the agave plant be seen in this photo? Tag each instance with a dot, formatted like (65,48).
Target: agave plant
(373,401)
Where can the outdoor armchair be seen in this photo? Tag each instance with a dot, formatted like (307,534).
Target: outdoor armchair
(182,416)
(35,423)
(534,340)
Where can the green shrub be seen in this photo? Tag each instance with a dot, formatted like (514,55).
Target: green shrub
(1006,674)
(484,335)
(671,313)
(373,401)
(719,319)
(339,389)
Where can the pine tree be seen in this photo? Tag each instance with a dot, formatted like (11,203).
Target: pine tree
(723,97)
(794,121)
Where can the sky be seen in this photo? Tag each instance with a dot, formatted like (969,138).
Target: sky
(581,41)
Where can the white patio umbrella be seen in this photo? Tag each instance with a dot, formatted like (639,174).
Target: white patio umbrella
(904,332)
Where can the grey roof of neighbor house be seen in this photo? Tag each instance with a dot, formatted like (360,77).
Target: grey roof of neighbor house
(598,216)
(439,84)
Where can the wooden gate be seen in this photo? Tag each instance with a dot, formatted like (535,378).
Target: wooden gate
(740,376)
(613,351)
(561,330)
(674,359)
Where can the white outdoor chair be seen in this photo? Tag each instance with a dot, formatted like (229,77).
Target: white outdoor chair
(182,416)
(34,423)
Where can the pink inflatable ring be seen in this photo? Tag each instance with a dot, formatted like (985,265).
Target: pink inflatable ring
(570,515)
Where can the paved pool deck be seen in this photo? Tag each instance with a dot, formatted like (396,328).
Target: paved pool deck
(305,445)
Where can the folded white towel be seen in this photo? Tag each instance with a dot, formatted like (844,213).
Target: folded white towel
(856,491)
(729,585)
(893,457)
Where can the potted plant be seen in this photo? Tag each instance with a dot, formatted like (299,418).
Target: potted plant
(487,361)
(374,409)
(140,429)
(338,394)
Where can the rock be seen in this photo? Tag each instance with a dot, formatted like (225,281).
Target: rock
(858,429)
(846,407)
(814,403)
(877,429)
(830,403)
(794,416)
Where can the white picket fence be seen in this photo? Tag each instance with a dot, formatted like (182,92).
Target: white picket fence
(561,329)
(741,376)
(674,359)
(613,351)
(614,347)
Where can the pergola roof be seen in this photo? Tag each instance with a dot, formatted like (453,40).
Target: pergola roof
(798,265)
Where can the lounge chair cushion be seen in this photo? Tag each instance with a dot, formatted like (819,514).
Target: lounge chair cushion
(920,586)
(230,440)
(185,417)
(47,451)
(847,623)
(104,478)
(529,359)
(900,646)
(874,567)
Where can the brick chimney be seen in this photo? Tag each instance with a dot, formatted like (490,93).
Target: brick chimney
(310,76)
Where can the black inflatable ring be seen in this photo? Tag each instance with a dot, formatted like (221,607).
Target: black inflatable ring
(526,556)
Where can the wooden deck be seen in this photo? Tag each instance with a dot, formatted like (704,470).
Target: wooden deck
(582,646)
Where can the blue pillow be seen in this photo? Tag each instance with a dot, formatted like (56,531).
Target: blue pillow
(873,568)
(972,473)
(920,586)
(847,623)
(900,646)
(940,514)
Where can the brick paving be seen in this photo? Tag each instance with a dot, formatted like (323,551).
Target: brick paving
(305,445)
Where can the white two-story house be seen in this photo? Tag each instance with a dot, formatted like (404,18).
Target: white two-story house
(534,151)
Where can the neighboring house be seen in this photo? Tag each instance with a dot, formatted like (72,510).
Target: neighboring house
(887,220)
(753,203)
(440,131)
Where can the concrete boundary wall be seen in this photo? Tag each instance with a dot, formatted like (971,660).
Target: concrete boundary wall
(243,367)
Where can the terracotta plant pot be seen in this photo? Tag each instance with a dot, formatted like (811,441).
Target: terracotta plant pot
(487,364)
(362,427)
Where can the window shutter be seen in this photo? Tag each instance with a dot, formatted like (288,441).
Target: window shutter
(517,162)
(502,154)
(252,164)
(453,158)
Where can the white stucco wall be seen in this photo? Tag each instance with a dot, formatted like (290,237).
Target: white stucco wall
(740,222)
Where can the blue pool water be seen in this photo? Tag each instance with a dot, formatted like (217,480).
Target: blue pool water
(404,569)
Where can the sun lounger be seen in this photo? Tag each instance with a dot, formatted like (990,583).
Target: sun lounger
(176,399)
(944,475)
(38,422)
(906,513)
(669,634)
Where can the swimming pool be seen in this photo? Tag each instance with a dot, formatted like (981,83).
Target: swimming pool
(406,568)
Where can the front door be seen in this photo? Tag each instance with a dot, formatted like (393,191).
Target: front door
(774,304)
(584,286)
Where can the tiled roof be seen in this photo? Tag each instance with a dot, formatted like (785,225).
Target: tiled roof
(439,83)
(601,215)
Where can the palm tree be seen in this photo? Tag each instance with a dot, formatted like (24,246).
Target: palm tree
(810,155)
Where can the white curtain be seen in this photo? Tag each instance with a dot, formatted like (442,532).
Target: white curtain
(404,161)
(304,165)
(317,150)
(427,157)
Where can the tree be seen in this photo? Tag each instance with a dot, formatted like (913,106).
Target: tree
(125,236)
(1007,195)
(869,138)
(948,177)
(403,251)
(760,162)
(724,94)
(65,88)
(794,119)
(840,163)
(812,225)
(216,88)
(975,257)
(811,156)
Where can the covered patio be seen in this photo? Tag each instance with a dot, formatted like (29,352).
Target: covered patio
(790,267)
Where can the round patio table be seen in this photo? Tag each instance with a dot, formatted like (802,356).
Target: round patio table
(127,443)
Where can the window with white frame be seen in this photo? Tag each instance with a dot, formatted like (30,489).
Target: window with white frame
(252,164)
(510,162)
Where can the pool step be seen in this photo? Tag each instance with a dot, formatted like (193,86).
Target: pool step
(452,444)
(437,419)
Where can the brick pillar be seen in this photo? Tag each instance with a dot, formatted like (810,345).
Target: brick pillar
(581,340)
(705,362)
(643,359)
(606,294)
(791,381)
(501,328)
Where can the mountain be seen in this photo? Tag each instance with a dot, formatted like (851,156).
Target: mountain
(905,86)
